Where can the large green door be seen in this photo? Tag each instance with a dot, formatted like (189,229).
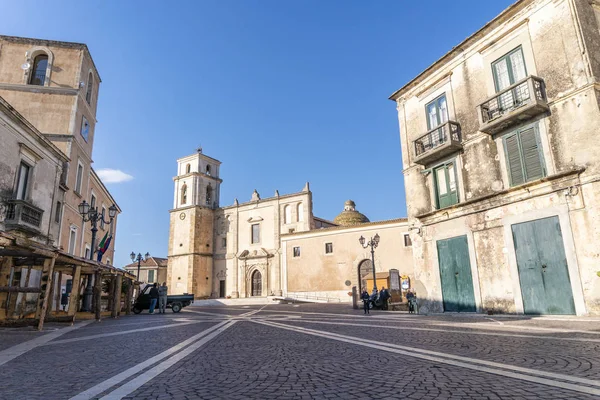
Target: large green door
(543,270)
(455,274)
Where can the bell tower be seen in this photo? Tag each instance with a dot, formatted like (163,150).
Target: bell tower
(196,196)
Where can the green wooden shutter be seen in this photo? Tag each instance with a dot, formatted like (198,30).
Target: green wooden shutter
(513,159)
(532,161)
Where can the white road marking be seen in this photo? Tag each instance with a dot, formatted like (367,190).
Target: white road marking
(311,321)
(22,348)
(107,384)
(101,335)
(209,313)
(147,376)
(457,361)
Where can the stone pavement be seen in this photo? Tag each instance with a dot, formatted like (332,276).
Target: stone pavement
(307,351)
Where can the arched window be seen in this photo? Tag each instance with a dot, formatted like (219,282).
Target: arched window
(187,168)
(208,170)
(208,195)
(184,194)
(38,72)
(88,92)
(300,212)
(287,214)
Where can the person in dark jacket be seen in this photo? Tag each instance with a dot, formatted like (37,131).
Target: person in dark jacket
(153,298)
(366,300)
(384,295)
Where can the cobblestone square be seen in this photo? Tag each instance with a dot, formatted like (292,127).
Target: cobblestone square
(304,352)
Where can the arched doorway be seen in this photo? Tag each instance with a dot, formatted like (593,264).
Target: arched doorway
(256,283)
(364,268)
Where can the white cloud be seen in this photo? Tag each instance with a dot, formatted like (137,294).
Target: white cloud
(113,175)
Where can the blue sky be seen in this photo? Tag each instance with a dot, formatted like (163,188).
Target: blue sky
(282,92)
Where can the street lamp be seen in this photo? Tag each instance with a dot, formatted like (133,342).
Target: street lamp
(139,259)
(373,245)
(91,214)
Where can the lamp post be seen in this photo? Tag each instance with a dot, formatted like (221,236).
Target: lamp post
(91,214)
(139,259)
(373,245)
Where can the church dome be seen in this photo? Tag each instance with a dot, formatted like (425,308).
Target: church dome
(350,216)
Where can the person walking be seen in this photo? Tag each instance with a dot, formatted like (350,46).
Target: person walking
(162,298)
(153,298)
(366,300)
(384,295)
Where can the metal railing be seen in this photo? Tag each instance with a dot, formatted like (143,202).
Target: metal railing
(19,212)
(513,97)
(296,296)
(38,78)
(437,136)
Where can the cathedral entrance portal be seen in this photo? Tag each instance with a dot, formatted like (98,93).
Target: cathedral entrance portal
(364,268)
(256,283)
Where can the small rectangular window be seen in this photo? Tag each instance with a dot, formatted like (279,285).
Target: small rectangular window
(93,202)
(224,242)
(151,276)
(23,182)
(79,178)
(104,214)
(57,212)
(255,233)
(72,240)
(85,128)
(328,248)
(296,251)
(407,240)
(86,253)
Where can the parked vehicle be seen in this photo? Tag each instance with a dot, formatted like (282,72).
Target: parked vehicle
(174,302)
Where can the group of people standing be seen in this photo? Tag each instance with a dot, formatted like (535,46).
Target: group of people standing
(383,296)
(158,294)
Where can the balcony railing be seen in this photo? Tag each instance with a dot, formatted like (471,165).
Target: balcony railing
(38,79)
(438,142)
(518,102)
(21,214)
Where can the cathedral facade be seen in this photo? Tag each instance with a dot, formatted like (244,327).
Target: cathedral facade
(242,250)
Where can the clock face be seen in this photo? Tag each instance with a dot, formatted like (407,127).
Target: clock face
(182,216)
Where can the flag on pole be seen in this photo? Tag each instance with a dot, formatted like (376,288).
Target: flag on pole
(103,246)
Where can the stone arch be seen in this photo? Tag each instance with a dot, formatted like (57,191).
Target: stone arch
(364,268)
(299,212)
(32,53)
(89,90)
(366,255)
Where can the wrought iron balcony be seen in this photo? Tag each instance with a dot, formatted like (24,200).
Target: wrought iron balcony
(21,214)
(437,143)
(518,102)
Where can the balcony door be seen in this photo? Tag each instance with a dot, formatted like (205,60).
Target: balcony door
(507,70)
(437,112)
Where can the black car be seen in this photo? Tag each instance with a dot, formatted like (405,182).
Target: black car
(175,302)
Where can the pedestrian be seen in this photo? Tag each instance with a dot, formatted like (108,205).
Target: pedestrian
(366,300)
(384,295)
(162,298)
(64,299)
(412,301)
(153,298)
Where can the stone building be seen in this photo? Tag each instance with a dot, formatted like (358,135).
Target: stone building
(247,249)
(501,167)
(152,270)
(54,85)
(48,99)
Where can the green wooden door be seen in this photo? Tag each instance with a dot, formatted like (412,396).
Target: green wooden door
(543,270)
(445,185)
(455,274)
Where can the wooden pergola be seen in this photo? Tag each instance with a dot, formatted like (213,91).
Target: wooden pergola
(21,257)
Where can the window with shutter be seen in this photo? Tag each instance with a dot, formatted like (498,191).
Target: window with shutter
(524,158)
(445,185)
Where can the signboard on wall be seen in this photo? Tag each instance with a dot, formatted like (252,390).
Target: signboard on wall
(405,282)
